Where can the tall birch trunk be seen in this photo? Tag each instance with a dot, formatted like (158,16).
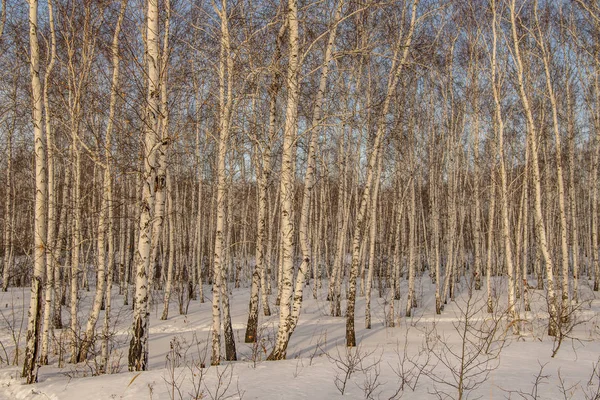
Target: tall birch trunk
(160,182)
(395,72)
(309,180)
(595,187)
(532,142)
(61,239)
(105,231)
(477,237)
(499,128)
(171,220)
(490,242)
(52,251)
(372,234)
(572,192)
(524,230)
(138,347)
(342,227)
(220,256)
(287,184)
(8,214)
(263,173)
(30,364)
(411,301)
(559,172)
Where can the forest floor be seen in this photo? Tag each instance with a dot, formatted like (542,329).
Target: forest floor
(424,356)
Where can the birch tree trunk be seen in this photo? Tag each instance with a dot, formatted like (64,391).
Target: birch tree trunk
(559,172)
(595,187)
(411,301)
(372,233)
(52,252)
(138,347)
(499,127)
(287,185)
(490,242)
(525,224)
(572,193)
(75,241)
(30,364)
(476,175)
(62,237)
(79,60)
(395,72)
(342,227)
(8,213)
(105,231)
(434,207)
(171,220)
(161,157)
(263,168)
(220,257)
(532,140)
(199,232)
(309,180)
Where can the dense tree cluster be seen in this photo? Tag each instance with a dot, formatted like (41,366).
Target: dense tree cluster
(333,147)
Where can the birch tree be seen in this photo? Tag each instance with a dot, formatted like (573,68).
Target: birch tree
(138,347)
(30,364)
(219,262)
(540,224)
(105,218)
(499,129)
(559,169)
(52,251)
(399,60)
(309,182)
(286,191)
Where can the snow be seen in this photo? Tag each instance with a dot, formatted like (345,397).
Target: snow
(316,354)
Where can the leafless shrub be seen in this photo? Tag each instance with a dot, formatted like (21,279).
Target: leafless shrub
(174,378)
(457,369)
(591,391)
(567,390)
(13,322)
(222,390)
(569,319)
(409,368)
(319,348)
(371,382)
(265,339)
(351,360)
(539,379)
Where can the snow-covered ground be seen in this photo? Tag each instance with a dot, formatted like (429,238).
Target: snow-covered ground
(418,358)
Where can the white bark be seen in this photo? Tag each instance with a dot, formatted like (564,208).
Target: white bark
(572,193)
(287,184)
(52,251)
(490,242)
(395,72)
(220,293)
(8,236)
(559,172)
(309,178)
(161,157)
(171,220)
(532,142)
(105,231)
(30,364)
(499,128)
(372,234)
(411,301)
(138,348)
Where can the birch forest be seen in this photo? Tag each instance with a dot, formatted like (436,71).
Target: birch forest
(169,156)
